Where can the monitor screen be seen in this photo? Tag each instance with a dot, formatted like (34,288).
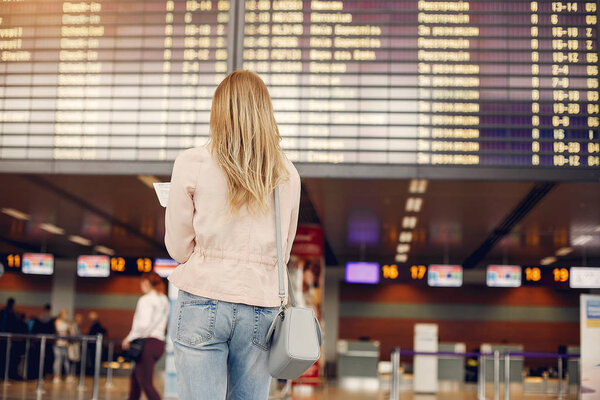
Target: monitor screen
(93,266)
(38,264)
(445,275)
(362,272)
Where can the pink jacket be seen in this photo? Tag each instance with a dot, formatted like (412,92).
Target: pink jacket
(225,256)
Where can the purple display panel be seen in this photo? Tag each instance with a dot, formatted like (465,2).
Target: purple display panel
(362,272)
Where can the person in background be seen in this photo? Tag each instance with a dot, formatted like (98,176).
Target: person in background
(9,323)
(45,323)
(149,323)
(61,324)
(74,346)
(95,329)
(8,317)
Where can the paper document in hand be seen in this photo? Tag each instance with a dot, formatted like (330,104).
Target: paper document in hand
(162,192)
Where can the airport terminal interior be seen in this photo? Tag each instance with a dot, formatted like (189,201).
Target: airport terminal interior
(448,233)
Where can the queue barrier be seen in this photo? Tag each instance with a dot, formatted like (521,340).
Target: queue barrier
(482,357)
(43,339)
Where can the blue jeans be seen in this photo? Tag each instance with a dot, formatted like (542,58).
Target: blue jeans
(220,350)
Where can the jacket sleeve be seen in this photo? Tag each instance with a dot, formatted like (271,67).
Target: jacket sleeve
(141,320)
(179,228)
(296,189)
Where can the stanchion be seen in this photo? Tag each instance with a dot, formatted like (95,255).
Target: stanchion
(7,361)
(109,372)
(507,376)
(97,366)
(579,380)
(496,375)
(395,384)
(41,369)
(560,377)
(481,381)
(26,360)
(83,364)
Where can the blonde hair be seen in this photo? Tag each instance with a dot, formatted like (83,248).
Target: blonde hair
(245,140)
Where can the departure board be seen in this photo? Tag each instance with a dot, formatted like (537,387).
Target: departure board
(498,84)
(108,80)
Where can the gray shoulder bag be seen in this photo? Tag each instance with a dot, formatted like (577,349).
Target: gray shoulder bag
(295,333)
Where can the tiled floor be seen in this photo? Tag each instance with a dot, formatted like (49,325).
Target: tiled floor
(69,391)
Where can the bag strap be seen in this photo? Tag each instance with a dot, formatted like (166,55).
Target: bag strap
(280,265)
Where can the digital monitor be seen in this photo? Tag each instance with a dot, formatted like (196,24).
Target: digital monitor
(584,278)
(503,276)
(362,272)
(93,266)
(164,266)
(445,275)
(38,264)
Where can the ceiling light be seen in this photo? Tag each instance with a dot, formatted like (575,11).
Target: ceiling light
(80,240)
(405,237)
(104,250)
(413,204)
(409,222)
(403,248)
(15,214)
(50,228)
(148,180)
(548,260)
(563,251)
(401,257)
(581,240)
(417,186)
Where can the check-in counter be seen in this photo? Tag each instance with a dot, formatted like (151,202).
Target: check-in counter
(573,365)
(516,363)
(357,363)
(451,369)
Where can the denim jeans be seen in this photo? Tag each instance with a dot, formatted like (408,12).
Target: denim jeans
(220,349)
(61,358)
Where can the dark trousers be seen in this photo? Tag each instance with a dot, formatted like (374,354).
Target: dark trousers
(143,372)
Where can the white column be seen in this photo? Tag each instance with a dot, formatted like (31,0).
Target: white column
(63,286)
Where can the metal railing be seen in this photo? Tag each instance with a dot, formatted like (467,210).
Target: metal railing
(481,375)
(43,339)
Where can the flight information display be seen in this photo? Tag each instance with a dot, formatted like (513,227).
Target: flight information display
(419,83)
(108,80)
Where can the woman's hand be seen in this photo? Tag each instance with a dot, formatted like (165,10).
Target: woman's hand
(125,344)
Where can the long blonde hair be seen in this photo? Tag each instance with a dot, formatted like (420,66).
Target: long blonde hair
(245,140)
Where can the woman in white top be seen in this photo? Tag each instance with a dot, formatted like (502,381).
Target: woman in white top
(149,323)
(61,325)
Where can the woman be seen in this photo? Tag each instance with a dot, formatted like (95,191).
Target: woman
(61,326)
(74,347)
(220,227)
(149,323)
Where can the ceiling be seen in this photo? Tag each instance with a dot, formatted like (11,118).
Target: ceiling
(476,222)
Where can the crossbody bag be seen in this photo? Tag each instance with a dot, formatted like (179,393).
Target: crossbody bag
(295,333)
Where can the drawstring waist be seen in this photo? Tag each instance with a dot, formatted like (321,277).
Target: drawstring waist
(203,254)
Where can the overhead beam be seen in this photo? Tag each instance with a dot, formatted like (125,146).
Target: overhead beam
(27,247)
(537,193)
(82,203)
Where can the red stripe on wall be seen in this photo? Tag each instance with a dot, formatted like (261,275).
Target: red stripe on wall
(29,311)
(111,285)
(25,283)
(116,322)
(414,294)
